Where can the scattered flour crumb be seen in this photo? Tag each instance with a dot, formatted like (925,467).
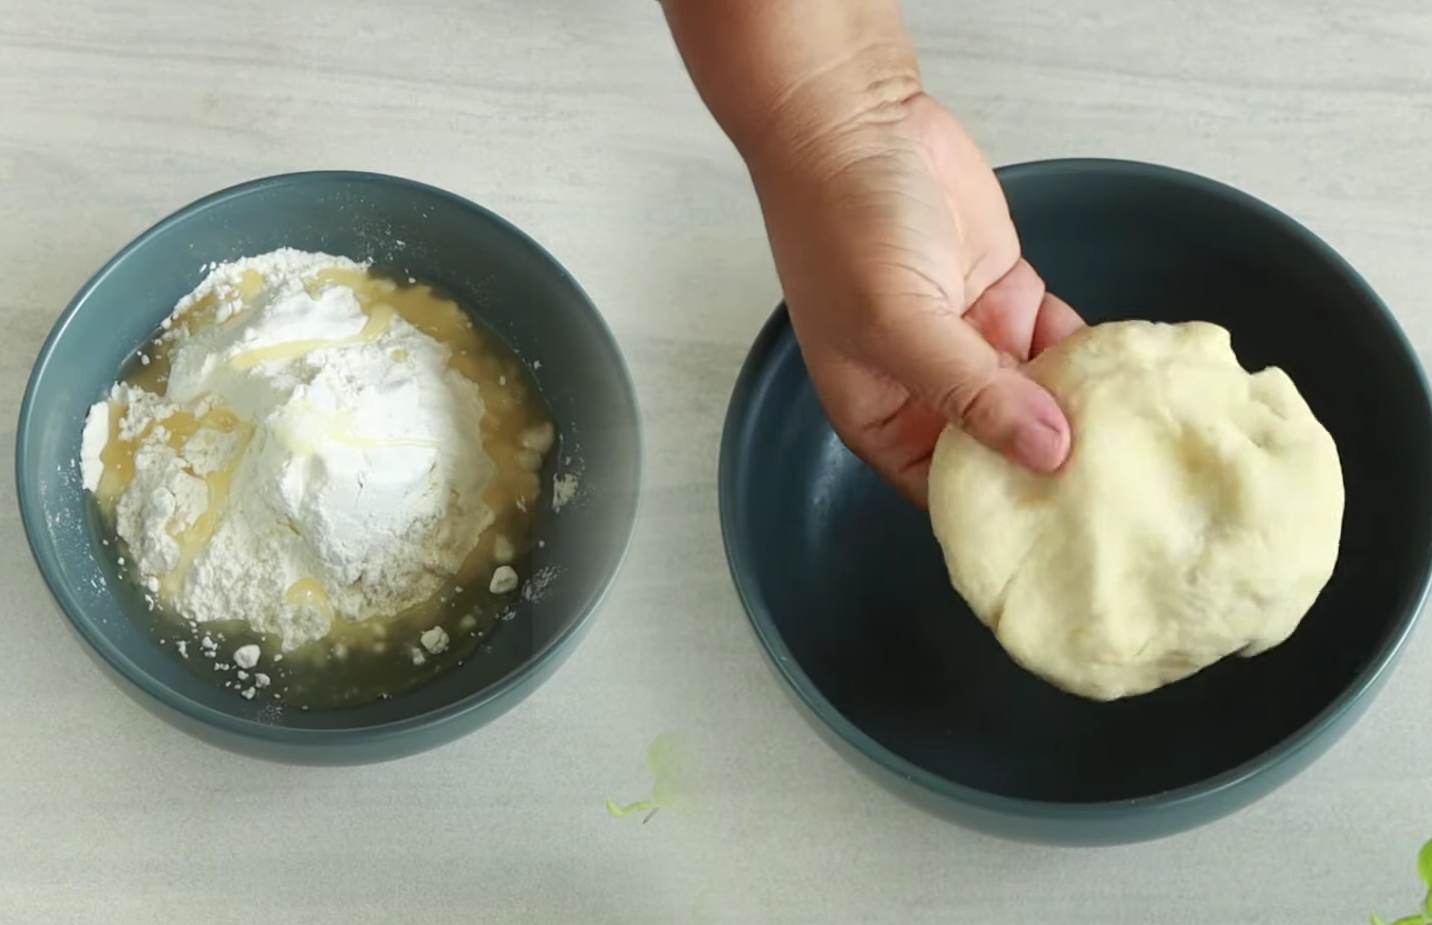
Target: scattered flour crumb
(564,489)
(504,579)
(92,443)
(435,640)
(538,583)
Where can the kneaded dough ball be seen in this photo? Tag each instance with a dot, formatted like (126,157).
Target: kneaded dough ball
(1197,516)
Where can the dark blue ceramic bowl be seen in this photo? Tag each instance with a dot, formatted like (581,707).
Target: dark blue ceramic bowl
(848,594)
(516,288)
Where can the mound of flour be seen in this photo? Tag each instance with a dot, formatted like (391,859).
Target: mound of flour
(351,451)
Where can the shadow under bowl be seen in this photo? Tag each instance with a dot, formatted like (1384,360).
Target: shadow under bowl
(848,594)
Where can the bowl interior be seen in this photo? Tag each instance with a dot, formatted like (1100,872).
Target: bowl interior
(844,574)
(514,287)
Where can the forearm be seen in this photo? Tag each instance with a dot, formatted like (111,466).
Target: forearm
(777,73)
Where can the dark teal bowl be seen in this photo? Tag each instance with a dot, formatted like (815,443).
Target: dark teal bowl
(516,288)
(848,594)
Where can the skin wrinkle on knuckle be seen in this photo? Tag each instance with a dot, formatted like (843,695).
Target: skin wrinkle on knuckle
(883,422)
(879,331)
(845,388)
(855,438)
(970,400)
(990,265)
(903,473)
(872,432)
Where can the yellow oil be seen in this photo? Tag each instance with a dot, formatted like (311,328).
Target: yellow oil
(374,658)
(308,592)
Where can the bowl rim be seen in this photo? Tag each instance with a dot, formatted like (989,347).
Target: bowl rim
(1262,766)
(113,656)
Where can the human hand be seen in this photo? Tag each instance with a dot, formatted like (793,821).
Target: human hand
(904,280)
(891,235)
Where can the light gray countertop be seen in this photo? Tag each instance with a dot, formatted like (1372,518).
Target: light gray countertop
(573,118)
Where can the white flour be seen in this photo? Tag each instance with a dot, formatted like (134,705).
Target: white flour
(358,488)
(564,489)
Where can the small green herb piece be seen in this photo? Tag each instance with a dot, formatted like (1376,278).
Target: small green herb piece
(1424,870)
(671,779)
(619,811)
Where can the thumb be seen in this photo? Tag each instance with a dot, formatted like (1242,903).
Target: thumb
(949,366)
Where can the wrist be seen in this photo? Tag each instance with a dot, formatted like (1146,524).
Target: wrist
(780,74)
(827,112)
